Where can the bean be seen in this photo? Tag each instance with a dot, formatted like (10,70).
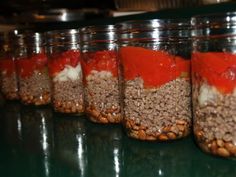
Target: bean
(231,148)
(171,135)
(163,137)
(220,143)
(213,147)
(223,152)
(142,134)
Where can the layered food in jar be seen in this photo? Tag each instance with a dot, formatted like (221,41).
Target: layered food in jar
(102,86)
(9,83)
(34,81)
(156,90)
(214,100)
(66,73)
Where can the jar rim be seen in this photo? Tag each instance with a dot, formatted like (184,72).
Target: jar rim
(98,28)
(214,25)
(154,23)
(63,31)
(99,34)
(207,19)
(65,36)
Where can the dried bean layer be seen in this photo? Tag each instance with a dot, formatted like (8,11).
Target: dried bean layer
(9,86)
(35,89)
(102,97)
(215,120)
(68,96)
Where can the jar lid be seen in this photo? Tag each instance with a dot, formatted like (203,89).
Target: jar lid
(99,34)
(214,25)
(61,37)
(155,30)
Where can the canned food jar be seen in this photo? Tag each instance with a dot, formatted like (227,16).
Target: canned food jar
(155,63)
(8,74)
(100,68)
(34,81)
(65,71)
(1,57)
(214,83)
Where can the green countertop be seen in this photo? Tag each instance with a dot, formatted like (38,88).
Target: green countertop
(35,142)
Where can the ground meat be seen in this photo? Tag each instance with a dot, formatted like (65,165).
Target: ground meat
(68,96)
(9,86)
(102,97)
(35,89)
(215,121)
(162,113)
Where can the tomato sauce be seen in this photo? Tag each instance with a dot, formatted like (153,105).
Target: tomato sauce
(100,61)
(59,61)
(154,67)
(217,68)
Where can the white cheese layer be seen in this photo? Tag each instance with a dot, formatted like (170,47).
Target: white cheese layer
(100,74)
(69,73)
(207,94)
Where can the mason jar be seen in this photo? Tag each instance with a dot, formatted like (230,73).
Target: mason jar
(34,81)
(155,63)
(100,69)
(214,83)
(1,57)
(65,71)
(8,75)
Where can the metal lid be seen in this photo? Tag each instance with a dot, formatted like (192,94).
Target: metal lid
(214,25)
(156,29)
(61,37)
(99,34)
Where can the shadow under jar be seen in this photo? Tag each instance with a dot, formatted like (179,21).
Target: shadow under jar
(100,69)
(8,74)
(65,71)
(34,81)
(214,83)
(155,63)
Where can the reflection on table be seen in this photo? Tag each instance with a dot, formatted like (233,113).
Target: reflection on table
(37,142)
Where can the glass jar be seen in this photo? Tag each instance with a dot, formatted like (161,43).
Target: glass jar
(214,83)
(8,75)
(34,82)
(1,57)
(65,71)
(155,63)
(100,68)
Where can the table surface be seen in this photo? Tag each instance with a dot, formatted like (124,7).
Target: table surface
(35,142)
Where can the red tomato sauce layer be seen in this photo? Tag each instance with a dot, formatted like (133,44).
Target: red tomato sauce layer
(154,67)
(27,66)
(217,68)
(58,62)
(100,61)
(8,66)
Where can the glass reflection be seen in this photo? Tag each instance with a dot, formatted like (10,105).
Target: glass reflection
(71,145)
(12,124)
(37,135)
(206,165)
(151,159)
(105,150)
